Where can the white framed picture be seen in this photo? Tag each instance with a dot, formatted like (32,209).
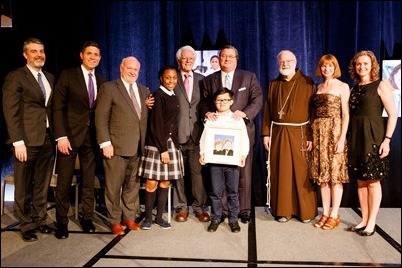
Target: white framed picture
(222,146)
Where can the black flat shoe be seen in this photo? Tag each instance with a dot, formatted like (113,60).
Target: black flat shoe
(366,233)
(87,226)
(354,229)
(245,217)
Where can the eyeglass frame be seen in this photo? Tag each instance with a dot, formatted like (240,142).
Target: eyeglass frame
(224,101)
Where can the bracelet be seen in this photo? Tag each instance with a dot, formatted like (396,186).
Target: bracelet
(388,137)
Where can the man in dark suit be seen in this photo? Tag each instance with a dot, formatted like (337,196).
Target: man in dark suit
(121,131)
(190,129)
(248,99)
(27,94)
(73,109)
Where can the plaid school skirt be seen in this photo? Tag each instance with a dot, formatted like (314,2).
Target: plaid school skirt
(151,166)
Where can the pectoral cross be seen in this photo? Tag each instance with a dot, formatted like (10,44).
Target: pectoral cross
(281,112)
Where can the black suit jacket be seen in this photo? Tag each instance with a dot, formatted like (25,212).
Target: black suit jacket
(72,113)
(24,107)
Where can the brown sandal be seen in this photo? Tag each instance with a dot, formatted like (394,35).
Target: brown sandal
(321,222)
(331,223)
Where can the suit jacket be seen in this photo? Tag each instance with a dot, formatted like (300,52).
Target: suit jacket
(71,111)
(248,96)
(116,119)
(189,117)
(24,107)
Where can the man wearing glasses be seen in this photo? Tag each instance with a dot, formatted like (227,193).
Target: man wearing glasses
(247,102)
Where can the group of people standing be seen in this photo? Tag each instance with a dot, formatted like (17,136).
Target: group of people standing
(325,135)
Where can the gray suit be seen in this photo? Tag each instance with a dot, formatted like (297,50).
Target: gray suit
(190,130)
(117,121)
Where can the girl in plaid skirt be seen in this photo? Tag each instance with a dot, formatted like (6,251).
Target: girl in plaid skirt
(162,160)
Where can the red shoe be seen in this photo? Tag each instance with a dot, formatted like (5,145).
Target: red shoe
(117,229)
(131,225)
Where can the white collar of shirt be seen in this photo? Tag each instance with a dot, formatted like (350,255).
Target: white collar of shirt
(167,91)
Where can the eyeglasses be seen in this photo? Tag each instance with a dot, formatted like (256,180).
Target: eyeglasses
(225,101)
(285,62)
(227,56)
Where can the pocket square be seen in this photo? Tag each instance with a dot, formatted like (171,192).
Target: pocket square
(242,88)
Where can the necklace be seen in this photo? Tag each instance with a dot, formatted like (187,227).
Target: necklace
(281,112)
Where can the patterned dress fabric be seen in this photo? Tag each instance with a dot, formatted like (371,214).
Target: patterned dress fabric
(326,165)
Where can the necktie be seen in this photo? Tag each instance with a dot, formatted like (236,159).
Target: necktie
(134,99)
(91,90)
(227,82)
(187,84)
(42,87)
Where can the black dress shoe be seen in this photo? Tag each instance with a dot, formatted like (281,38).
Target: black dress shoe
(245,217)
(366,233)
(45,229)
(62,231)
(234,227)
(223,217)
(87,226)
(354,229)
(29,236)
(213,226)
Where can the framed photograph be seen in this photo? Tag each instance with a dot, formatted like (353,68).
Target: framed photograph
(391,71)
(207,62)
(222,146)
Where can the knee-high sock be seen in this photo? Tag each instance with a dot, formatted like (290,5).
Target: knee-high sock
(162,198)
(149,204)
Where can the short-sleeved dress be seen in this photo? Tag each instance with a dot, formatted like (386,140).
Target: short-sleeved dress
(366,133)
(326,165)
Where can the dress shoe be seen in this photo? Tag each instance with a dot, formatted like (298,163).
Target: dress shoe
(283,219)
(182,216)
(223,217)
(131,225)
(354,229)
(213,226)
(234,227)
(366,233)
(117,229)
(62,231)
(203,216)
(45,229)
(29,236)
(245,217)
(87,226)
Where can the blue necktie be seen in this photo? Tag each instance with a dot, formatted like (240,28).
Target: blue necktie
(91,90)
(42,87)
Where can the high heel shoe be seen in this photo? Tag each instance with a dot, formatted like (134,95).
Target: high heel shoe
(332,223)
(354,229)
(321,222)
(366,233)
